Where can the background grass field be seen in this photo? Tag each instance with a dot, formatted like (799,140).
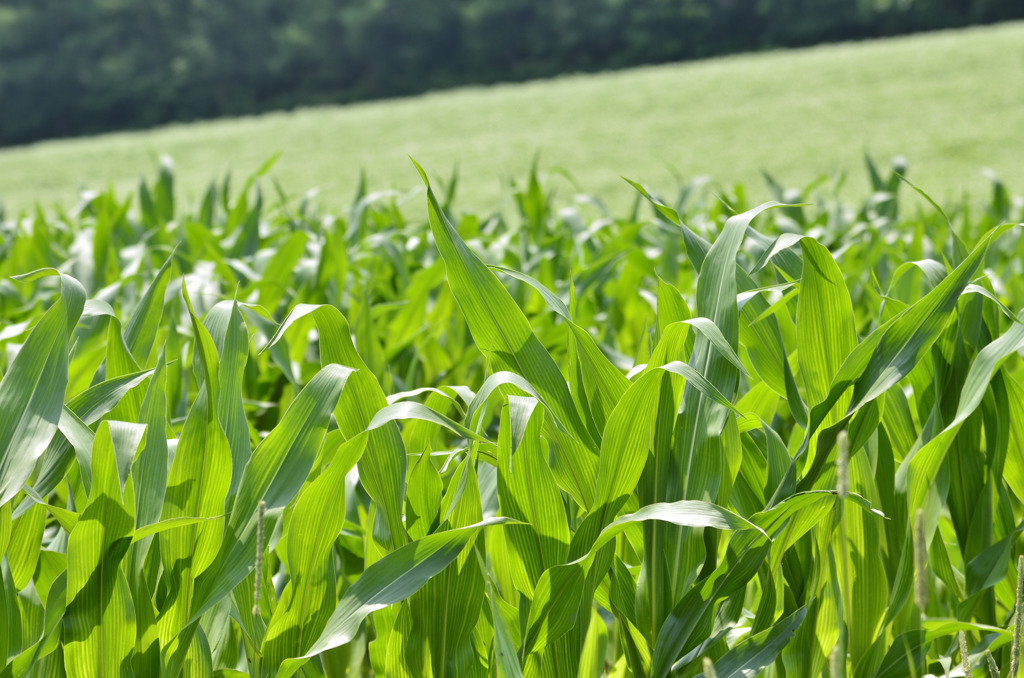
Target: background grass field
(951,102)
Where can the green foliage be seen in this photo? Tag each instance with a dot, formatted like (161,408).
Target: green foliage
(708,438)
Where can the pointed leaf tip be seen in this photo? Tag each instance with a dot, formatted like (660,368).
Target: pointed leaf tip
(419,169)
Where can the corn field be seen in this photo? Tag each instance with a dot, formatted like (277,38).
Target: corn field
(703,438)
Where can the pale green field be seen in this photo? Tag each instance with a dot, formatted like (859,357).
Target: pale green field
(951,102)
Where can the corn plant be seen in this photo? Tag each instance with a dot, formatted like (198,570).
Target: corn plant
(707,437)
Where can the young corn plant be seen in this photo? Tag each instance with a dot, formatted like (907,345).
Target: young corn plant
(706,438)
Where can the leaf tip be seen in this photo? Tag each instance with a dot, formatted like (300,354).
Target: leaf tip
(423,174)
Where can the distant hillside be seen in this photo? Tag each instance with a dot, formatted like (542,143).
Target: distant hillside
(89,66)
(949,101)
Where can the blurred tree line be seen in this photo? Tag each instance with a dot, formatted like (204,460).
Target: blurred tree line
(71,67)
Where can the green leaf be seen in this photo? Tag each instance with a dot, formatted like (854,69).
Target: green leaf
(141,329)
(99,625)
(169,524)
(309,598)
(510,344)
(75,439)
(505,655)
(555,606)
(607,382)
(527,492)
(275,473)
(684,513)
(32,390)
(197,486)
(391,579)
(25,542)
(751,655)
(382,470)
(907,652)
(446,610)
(410,410)
(232,338)
(826,332)
(730,576)
(149,469)
(53,617)
(280,270)
(890,352)
(918,469)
